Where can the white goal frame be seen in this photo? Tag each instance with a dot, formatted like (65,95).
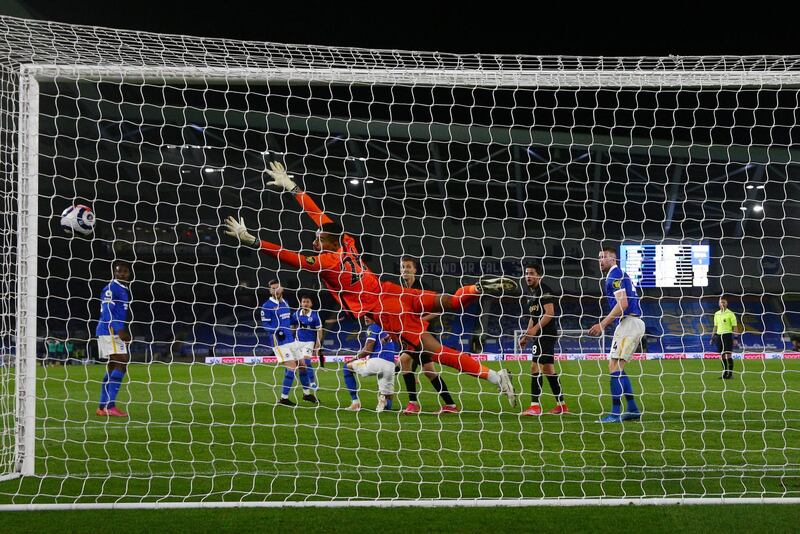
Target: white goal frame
(31,75)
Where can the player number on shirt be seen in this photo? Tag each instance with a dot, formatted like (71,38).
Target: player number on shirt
(349,264)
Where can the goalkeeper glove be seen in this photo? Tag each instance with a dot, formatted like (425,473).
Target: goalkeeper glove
(280,178)
(238,230)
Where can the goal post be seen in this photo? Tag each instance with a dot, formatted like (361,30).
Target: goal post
(27,263)
(471,165)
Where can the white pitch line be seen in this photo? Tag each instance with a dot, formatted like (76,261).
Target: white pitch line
(421,421)
(360,470)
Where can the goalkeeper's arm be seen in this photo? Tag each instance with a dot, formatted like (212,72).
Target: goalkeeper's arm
(238,230)
(281,179)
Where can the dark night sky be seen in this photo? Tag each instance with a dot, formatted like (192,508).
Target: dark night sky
(621,29)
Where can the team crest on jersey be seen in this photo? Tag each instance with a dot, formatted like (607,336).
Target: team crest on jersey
(311,260)
(617,284)
(534,308)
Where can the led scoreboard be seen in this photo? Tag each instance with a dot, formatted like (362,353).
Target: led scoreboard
(651,265)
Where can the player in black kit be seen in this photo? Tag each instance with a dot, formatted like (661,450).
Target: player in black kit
(542,333)
(411,359)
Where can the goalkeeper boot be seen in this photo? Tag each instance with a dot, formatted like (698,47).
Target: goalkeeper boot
(559,409)
(497,286)
(448,408)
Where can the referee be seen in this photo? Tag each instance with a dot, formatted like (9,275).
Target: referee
(722,335)
(542,329)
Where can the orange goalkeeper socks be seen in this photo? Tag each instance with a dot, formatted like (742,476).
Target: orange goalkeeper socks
(464,297)
(460,361)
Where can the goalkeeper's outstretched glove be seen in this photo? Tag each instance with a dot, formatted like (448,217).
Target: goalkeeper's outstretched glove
(280,178)
(238,230)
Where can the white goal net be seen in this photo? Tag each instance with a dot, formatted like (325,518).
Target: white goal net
(472,166)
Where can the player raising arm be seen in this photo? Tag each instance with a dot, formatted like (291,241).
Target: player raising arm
(624,303)
(358,290)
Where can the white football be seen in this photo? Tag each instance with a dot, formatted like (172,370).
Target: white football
(78,219)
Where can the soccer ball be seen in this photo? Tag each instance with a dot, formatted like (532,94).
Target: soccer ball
(77,219)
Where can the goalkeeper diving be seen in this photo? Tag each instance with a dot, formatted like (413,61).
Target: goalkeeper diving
(359,291)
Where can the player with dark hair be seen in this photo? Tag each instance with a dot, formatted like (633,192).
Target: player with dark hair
(543,331)
(308,336)
(113,337)
(359,291)
(411,359)
(624,303)
(376,358)
(276,318)
(724,328)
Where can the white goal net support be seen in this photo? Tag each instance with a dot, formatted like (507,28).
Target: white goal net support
(474,166)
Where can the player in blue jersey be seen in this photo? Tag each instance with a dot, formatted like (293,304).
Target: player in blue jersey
(112,338)
(308,336)
(375,359)
(276,317)
(624,304)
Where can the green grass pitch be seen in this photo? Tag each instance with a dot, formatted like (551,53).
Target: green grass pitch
(214,433)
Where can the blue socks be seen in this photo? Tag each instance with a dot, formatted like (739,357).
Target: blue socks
(389,404)
(288,380)
(104,392)
(616,393)
(312,377)
(303,373)
(627,389)
(621,385)
(350,382)
(114,383)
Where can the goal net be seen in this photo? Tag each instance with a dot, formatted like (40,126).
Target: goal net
(474,166)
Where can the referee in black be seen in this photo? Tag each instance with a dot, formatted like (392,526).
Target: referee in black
(410,360)
(540,304)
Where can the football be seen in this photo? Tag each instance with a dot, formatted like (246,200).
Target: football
(78,219)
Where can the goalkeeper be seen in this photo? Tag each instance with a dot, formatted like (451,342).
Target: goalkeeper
(358,290)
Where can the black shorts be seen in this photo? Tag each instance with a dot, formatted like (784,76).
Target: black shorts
(543,349)
(725,343)
(418,357)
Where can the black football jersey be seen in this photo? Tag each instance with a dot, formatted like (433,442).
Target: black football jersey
(537,297)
